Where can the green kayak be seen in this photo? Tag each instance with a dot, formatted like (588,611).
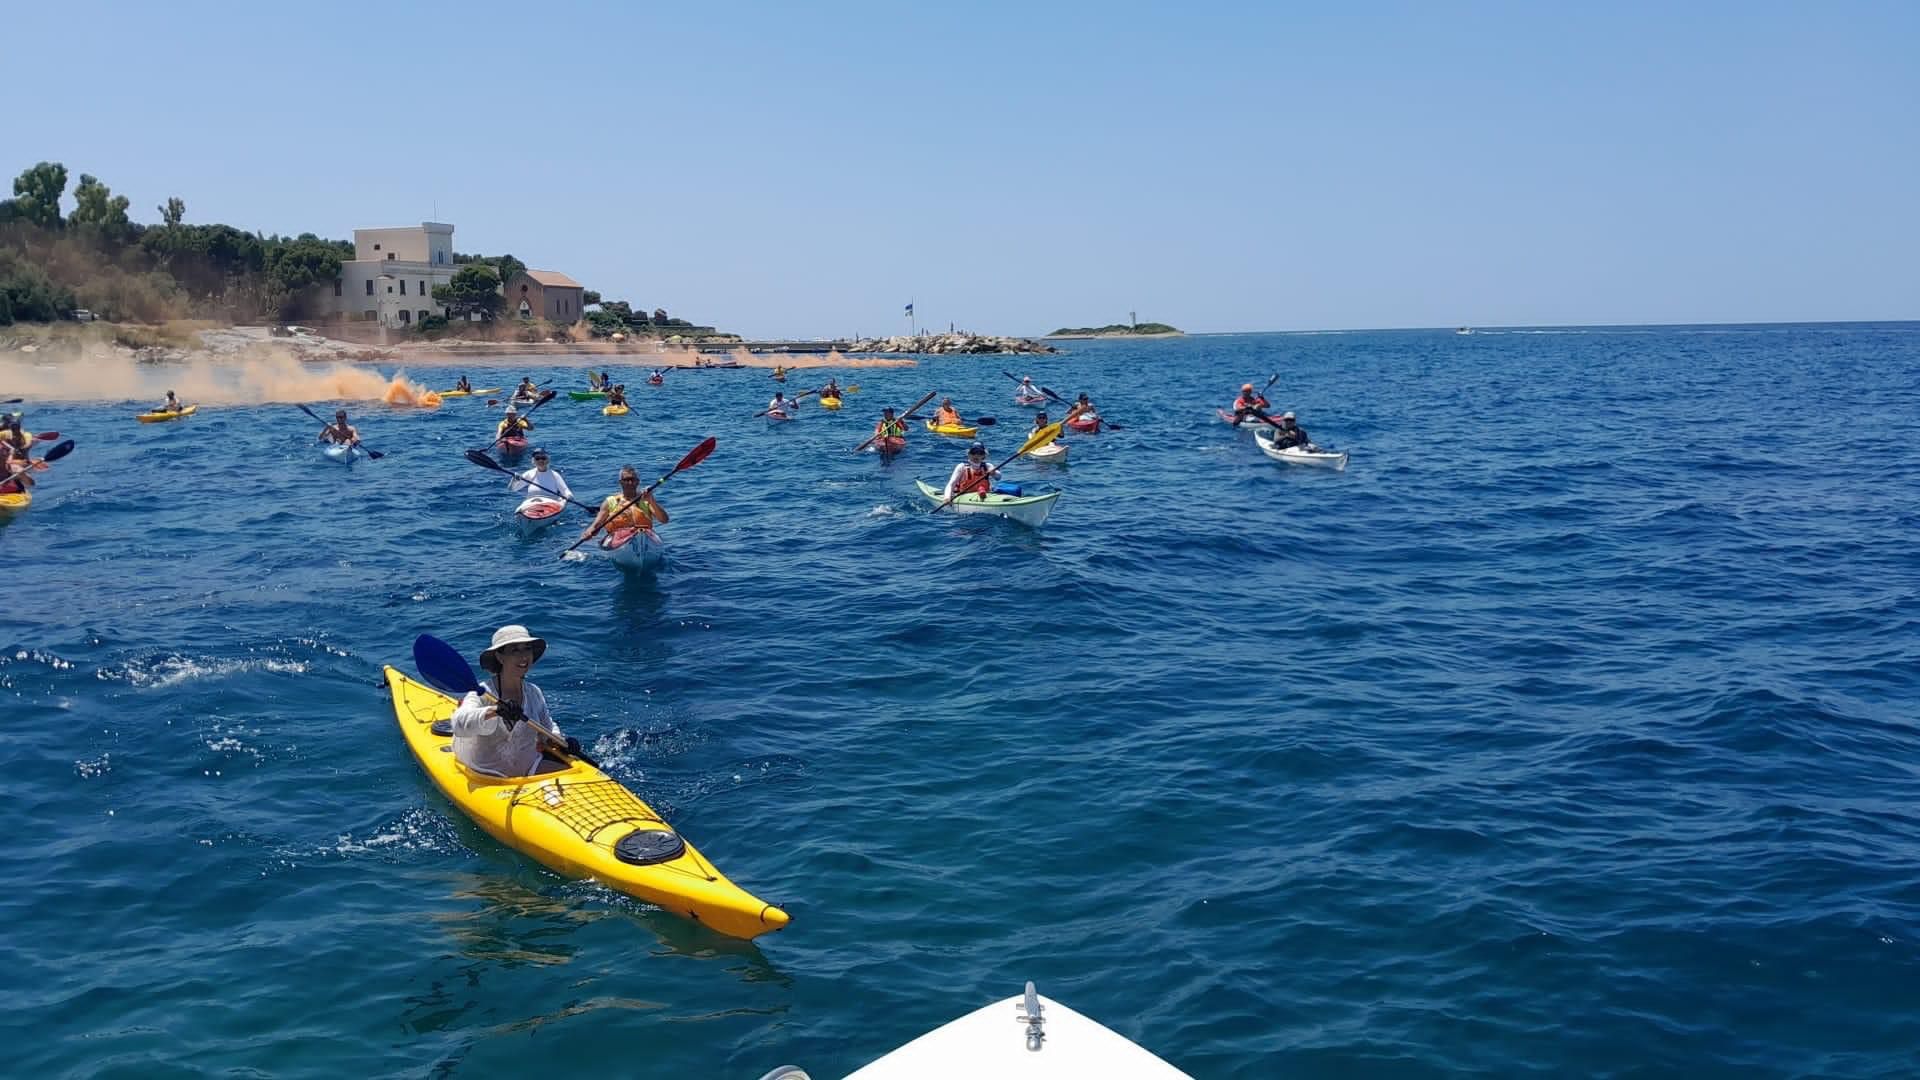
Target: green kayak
(587,395)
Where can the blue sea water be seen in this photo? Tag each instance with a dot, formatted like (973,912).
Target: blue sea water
(1571,730)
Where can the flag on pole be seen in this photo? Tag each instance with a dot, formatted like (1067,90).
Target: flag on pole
(909,309)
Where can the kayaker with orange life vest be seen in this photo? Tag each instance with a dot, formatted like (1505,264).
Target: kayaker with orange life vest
(340,432)
(1249,400)
(493,736)
(629,509)
(971,475)
(948,416)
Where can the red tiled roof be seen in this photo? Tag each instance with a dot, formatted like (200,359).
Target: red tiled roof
(553,278)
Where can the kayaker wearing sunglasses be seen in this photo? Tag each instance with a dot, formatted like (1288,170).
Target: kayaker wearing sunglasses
(489,736)
(542,479)
(340,431)
(620,511)
(973,474)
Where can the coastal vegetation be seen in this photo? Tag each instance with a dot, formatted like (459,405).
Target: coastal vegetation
(98,259)
(1117,330)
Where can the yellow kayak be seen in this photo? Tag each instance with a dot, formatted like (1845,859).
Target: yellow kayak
(955,430)
(581,823)
(469,393)
(614,410)
(159,415)
(829,402)
(18,500)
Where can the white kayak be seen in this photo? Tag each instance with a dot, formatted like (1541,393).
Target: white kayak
(1054,453)
(339,452)
(537,512)
(1301,455)
(1029,510)
(1026,1035)
(633,549)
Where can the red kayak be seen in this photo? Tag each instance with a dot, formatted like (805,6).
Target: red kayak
(513,444)
(891,444)
(1087,423)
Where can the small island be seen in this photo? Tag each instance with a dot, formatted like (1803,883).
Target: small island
(1145,329)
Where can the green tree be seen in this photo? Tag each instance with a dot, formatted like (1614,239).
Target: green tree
(507,266)
(36,195)
(174,212)
(474,290)
(100,210)
(589,297)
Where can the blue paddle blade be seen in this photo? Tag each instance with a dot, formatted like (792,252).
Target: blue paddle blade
(442,666)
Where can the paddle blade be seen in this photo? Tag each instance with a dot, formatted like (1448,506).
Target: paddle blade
(372,455)
(58,452)
(1039,439)
(983,421)
(546,397)
(696,455)
(46,436)
(442,666)
(480,458)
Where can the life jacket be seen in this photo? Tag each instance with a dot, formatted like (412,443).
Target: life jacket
(947,418)
(633,517)
(19,440)
(977,478)
(889,429)
(1244,402)
(513,425)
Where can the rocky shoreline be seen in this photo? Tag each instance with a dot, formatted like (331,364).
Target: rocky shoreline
(945,344)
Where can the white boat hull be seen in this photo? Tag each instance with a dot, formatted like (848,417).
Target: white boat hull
(338,453)
(1028,510)
(1054,453)
(635,550)
(537,512)
(993,1044)
(1295,455)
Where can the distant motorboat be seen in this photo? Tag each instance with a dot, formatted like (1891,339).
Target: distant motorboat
(1464,330)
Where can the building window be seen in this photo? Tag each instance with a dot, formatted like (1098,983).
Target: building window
(423,314)
(336,286)
(406,316)
(523,290)
(369,316)
(526,310)
(389,256)
(403,286)
(369,286)
(376,247)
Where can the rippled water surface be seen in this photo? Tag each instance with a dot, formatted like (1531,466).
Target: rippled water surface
(1571,730)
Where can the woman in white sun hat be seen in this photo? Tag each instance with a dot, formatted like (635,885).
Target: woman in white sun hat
(496,738)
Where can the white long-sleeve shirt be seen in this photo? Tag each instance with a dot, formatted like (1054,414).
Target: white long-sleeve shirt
(484,742)
(548,478)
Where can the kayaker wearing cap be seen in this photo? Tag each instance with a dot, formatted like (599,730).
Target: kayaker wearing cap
(542,478)
(779,373)
(526,389)
(12,435)
(832,389)
(1027,388)
(973,474)
(629,509)
(1039,421)
(492,738)
(617,395)
(888,427)
(779,406)
(1249,400)
(463,385)
(1289,434)
(948,416)
(340,431)
(512,424)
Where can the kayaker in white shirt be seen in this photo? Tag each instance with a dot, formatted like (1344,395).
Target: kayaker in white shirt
(973,474)
(496,738)
(780,404)
(542,478)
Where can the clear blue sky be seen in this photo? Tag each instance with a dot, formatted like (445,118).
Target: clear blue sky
(809,169)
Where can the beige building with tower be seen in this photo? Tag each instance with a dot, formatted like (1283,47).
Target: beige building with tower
(392,275)
(544,294)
